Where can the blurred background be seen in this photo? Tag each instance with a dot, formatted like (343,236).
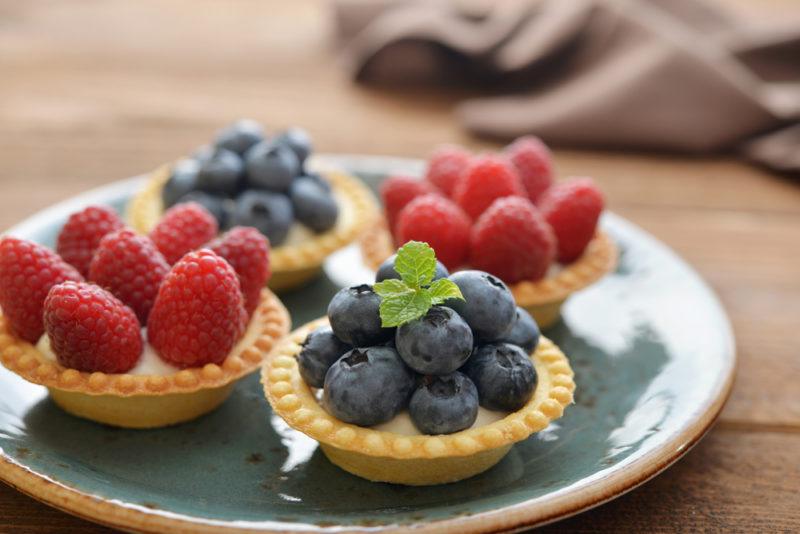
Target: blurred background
(95,91)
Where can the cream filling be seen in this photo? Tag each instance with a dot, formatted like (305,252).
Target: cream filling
(403,425)
(150,363)
(298,234)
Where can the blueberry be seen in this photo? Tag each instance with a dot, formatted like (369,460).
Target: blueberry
(270,213)
(203,153)
(221,174)
(524,332)
(313,206)
(386,270)
(504,375)
(319,180)
(488,308)
(353,313)
(298,140)
(320,350)
(368,386)
(436,344)
(444,404)
(240,136)
(271,166)
(218,207)
(183,180)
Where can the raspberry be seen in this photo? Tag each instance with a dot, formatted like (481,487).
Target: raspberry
(90,329)
(398,191)
(445,167)
(82,233)
(247,250)
(199,312)
(534,164)
(486,179)
(438,222)
(131,267)
(572,208)
(183,228)
(512,240)
(27,272)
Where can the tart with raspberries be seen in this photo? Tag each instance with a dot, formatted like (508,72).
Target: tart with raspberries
(122,335)
(423,378)
(503,214)
(248,179)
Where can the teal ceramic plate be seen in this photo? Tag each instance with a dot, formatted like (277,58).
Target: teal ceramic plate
(654,360)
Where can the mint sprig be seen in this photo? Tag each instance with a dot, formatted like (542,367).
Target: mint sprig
(410,298)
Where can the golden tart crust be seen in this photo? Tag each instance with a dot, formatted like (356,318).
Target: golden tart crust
(148,401)
(413,460)
(294,264)
(542,298)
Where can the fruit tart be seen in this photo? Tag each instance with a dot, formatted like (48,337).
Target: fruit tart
(421,378)
(126,339)
(500,213)
(248,179)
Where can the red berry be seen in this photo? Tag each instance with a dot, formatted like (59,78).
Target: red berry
(486,179)
(91,330)
(534,164)
(82,233)
(199,312)
(247,250)
(27,272)
(440,223)
(398,191)
(512,241)
(572,208)
(131,267)
(445,167)
(183,228)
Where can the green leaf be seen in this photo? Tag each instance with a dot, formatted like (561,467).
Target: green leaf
(442,290)
(391,288)
(416,264)
(400,309)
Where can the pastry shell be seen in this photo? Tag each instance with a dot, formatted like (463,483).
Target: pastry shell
(292,265)
(413,460)
(542,298)
(141,401)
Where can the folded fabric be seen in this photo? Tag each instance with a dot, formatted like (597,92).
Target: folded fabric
(678,75)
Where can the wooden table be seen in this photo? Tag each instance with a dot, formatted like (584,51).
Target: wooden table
(92,92)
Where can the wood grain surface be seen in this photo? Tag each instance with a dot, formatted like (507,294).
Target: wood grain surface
(92,92)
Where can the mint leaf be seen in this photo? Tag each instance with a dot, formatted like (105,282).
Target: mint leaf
(399,309)
(442,290)
(416,264)
(391,288)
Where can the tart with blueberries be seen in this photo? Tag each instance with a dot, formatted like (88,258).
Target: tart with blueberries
(118,335)
(503,214)
(422,378)
(246,178)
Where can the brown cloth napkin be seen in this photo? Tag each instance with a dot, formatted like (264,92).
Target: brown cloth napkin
(677,75)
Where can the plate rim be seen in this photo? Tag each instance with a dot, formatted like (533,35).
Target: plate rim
(509,518)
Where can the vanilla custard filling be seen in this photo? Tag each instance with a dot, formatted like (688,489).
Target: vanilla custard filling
(150,363)
(297,234)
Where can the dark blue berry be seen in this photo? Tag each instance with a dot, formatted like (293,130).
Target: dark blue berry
(444,404)
(219,207)
(203,153)
(298,140)
(183,180)
(319,351)
(489,306)
(386,270)
(313,206)
(504,375)
(269,213)
(221,174)
(240,136)
(368,386)
(271,166)
(436,344)
(524,332)
(354,316)
(319,180)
